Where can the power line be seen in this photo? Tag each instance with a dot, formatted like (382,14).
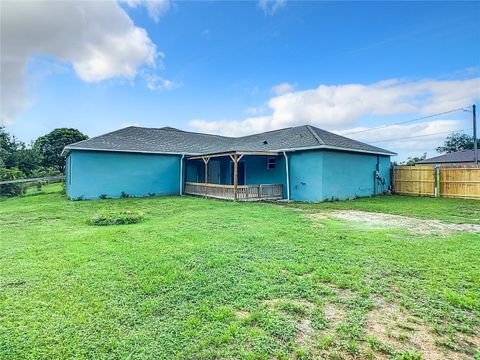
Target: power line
(418,136)
(405,122)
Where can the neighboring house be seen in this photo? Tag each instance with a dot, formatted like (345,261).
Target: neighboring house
(301,163)
(464,157)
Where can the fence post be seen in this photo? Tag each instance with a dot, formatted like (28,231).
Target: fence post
(437,181)
(392,178)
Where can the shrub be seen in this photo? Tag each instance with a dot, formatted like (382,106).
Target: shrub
(11,189)
(116,218)
(124,195)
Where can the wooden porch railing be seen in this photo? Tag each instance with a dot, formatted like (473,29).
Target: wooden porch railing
(244,192)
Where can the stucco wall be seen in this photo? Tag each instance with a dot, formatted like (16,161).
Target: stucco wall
(257,172)
(323,175)
(347,175)
(306,175)
(314,175)
(91,174)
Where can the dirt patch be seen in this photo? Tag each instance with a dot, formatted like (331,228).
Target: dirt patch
(382,220)
(300,303)
(333,314)
(305,332)
(344,294)
(394,326)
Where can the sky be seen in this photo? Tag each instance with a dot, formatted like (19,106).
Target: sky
(237,68)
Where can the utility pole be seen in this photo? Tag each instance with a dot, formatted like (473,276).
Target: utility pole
(475,155)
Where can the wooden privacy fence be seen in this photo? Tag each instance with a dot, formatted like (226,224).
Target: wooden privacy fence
(444,181)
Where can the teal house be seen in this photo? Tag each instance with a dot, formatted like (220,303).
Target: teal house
(301,163)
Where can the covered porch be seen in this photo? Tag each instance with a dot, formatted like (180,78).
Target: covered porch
(242,176)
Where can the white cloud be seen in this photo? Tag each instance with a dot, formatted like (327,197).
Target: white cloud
(155,82)
(402,136)
(282,88)
(155,8)
(340,106)
(256,110)
(98,39)
(409,139)
(270,7)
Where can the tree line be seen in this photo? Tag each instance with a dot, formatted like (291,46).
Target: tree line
(40,158)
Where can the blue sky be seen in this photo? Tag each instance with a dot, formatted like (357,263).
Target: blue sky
(241,67)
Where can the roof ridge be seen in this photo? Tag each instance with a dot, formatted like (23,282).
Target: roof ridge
(315,135)
(266,132)
(183,131)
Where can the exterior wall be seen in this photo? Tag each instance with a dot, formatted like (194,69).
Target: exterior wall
(314,175)
(306,175)
(348,175)
(93,173)
(322,175)
(257,172)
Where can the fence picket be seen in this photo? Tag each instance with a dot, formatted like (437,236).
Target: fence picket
(454,182)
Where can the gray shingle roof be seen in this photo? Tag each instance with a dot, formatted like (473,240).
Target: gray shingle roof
(454,157)
(174,141)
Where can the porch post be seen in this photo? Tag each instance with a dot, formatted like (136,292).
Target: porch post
(235,176)
(205,160)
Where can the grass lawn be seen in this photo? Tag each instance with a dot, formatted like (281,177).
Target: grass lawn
(207,279)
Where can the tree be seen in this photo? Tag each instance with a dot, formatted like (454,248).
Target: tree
(26,160)
(8,145)
(414,160)
(51,146)
(457,142)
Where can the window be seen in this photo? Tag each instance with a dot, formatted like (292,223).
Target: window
(271,163)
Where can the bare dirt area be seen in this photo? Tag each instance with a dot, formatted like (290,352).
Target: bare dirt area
(395,327)
(382,220)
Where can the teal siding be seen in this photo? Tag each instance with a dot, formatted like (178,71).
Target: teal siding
(348,175)
(315,175)
(306,175)
(94,173)
(257,172)
(322,175)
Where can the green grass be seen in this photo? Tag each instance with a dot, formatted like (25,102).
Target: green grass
(205,279)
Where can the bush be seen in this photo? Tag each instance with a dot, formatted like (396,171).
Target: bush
(116,218)
(10,190)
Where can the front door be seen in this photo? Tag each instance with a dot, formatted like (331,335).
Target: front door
(241,173)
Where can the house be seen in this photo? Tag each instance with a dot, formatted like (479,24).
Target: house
(301,163)
(464,157)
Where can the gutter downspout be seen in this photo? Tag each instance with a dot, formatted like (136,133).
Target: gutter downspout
(181,174)
(288,175)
